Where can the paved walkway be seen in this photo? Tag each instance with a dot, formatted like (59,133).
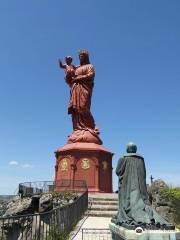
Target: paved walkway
(94,222)
(89,222)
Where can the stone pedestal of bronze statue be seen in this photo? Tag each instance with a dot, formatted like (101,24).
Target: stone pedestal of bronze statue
(121,233)
(83,157)
(85,161)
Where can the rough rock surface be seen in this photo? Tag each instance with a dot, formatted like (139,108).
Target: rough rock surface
(22,226)
(161,205)
(3,206)
(45,203)
(39,203)
(19,206)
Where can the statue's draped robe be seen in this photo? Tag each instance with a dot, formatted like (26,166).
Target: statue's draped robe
(84,129)
(134,205)
(80,99)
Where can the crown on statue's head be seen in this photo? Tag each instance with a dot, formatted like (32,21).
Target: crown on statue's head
(83,51)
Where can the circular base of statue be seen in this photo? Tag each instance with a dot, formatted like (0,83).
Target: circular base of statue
(85,136)
(85,161)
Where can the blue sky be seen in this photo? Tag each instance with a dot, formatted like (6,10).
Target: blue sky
(135,47)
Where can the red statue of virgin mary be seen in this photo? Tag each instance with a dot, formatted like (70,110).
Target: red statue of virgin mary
(81,83)
(83,157)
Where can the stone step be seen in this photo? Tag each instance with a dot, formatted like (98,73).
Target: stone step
(103,207)
(103,202)
(93,213)
(103,199)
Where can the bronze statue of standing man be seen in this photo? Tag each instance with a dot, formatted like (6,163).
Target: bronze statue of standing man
(135,209)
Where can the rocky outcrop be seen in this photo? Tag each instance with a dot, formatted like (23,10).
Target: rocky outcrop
(3,206)
(36,203)
(31,224)
(45,203)
(163,206)
(19,206)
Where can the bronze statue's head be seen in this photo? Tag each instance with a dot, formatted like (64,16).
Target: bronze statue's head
(83,57)
(131,148)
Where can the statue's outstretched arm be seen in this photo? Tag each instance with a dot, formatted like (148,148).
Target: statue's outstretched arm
(61,65)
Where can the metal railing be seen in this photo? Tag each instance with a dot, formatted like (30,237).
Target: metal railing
(51,225)
(96,234)
(32,188)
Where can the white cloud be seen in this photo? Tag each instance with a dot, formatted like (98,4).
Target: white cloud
(27,165)
(13,163)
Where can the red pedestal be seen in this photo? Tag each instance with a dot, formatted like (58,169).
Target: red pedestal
(85,161)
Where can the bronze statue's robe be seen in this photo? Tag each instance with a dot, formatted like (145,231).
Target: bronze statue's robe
(134,205)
